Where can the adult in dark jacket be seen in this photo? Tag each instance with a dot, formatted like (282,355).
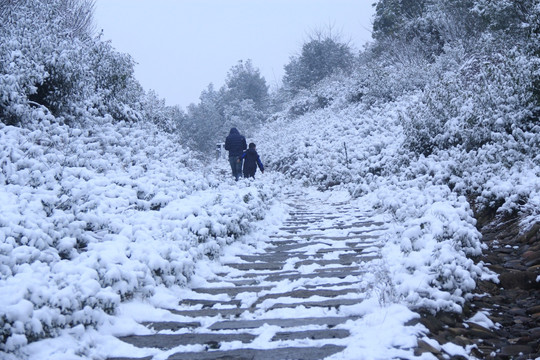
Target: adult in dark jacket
(251,161)
(235,143)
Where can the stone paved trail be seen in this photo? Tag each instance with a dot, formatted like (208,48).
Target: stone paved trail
(282,303)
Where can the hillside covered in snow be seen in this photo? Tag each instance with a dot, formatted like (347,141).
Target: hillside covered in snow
(108,195)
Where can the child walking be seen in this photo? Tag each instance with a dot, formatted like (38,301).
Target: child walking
(251,161)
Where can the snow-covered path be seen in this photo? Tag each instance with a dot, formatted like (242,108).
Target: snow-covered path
(316,290)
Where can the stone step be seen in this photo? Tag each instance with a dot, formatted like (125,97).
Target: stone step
(210,312)
(338,269)
(236,281)
(280,248)
(256,266)
(330,322)
(293,229)
(365,243)
(305,294)
(171,325)
(338,238)
(331,303)
(356,225)
(169,341)
(341,261)
(231,291)
(281,257)
(209,303)
(271,257)
(214,340)
(351,250)
(317,274)
(312,334)
(250,275)
(363,232)
(288,353)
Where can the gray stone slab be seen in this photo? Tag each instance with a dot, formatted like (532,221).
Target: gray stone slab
(327,274)
(171,325)
(306,293)
(326,285)
(344,227)
(364,243)
(369,223)
(284,323)
(331,250)
(362,232)
(257,266)
(333,237)
(293,229)
(339,269)
(345,260)
(169,341)
(282,239)
(295,246)
(322,262)
(210,312)
(263,274)
(237,281)
(289,353)
(297,212)
(231,291)
(271,257)
(331,303)
(312,334)
(298,222)
(209,303)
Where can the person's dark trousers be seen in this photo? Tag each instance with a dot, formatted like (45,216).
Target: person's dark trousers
(236,166)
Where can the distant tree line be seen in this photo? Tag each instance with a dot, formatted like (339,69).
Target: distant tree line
(484,51)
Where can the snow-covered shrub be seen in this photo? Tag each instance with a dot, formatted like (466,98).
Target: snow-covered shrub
(432,240)
(95,215)
(321,56)
(474,100)
(50,59)
(343,144)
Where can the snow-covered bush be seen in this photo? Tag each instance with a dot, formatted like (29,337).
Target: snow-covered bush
(422,135)
(430,244)
(50,59)
(321,56)
(474,100)
(361,149)
(95,215)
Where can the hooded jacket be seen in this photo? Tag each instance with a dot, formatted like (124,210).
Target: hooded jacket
(251,161)
(235,143)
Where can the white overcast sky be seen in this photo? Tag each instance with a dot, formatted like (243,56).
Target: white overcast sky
(181,46)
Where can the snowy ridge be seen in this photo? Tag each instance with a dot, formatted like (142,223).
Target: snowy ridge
(91,218)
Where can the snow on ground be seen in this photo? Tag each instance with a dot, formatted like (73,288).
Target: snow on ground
(101,230)
(92,219)
(361,150)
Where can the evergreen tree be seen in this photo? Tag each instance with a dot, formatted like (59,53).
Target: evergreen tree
(320,57)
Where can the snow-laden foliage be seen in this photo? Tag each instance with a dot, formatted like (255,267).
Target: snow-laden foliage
(362,150)
(51,59)
(321,56)
(242,102)
(96,215)
(432,125)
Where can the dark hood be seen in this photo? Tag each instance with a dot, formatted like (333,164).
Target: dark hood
(234,131)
